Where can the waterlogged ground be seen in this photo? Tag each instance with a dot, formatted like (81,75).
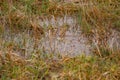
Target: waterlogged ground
(72,42)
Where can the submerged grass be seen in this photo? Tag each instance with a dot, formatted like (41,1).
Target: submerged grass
(96,18)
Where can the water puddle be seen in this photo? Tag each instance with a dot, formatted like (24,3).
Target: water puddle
(72,43)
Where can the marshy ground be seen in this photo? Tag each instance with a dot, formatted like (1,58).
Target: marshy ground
(59,40)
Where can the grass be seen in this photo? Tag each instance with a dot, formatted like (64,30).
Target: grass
(22,56)
(66,68)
